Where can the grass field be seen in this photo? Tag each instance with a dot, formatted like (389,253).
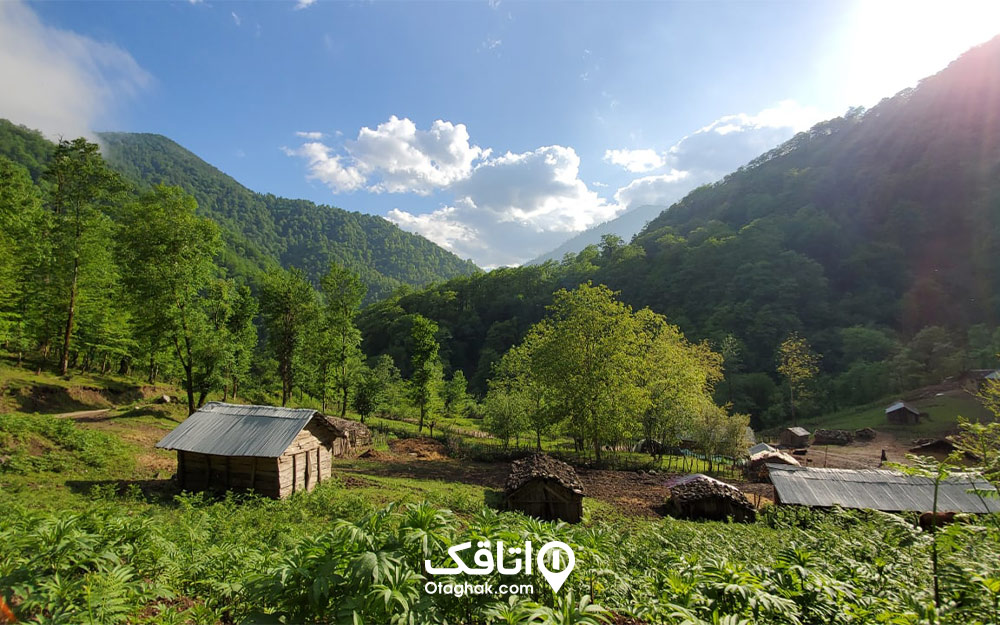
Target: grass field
(942,416)
(94,531)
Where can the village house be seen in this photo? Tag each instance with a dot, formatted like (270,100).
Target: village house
(901,413)
(270,450)
(794,437)
(878,489)
(545,488)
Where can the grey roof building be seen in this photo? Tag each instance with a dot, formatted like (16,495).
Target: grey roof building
(272,450)
(877,489)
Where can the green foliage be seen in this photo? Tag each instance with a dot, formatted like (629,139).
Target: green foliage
(262,230)
(34,443)
(289,309)
(251,560)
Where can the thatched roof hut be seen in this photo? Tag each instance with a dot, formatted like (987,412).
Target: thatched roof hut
(702,497)
(544,487)
(756,467)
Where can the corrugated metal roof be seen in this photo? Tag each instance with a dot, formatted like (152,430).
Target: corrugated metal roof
(876,490)
(898,405)
(759,447)
(234,430)
(798,431)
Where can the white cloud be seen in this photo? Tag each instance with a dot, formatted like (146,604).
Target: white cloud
(713,151)
(512,208)
(314,135)
(635,161)
(58,81)
(396,157)
(236,18)
(328,168)
(304,4)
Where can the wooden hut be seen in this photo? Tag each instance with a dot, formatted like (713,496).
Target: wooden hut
(546,488)
(901,413)
(701,497)
(273,451)
(794,437)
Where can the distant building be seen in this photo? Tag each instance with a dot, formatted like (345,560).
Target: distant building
(545,488)
(759,447)
(876,489)
(901,413)
(270,450)
(755,468)
(794,437)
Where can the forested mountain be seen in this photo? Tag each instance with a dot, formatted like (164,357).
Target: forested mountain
(874,235)
(626,225)
(259,229)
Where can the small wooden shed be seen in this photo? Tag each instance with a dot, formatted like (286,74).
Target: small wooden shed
(546,488)
(794,437)
(901,413)
(273,451)
(702,497)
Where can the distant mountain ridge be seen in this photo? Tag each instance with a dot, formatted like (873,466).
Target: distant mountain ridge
(626,225)
(261,230)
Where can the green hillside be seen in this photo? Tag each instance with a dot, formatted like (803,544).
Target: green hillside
(260,229)
(874,235)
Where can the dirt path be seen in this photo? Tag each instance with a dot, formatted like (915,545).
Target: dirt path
(632,493)
(857,455)
(83,415)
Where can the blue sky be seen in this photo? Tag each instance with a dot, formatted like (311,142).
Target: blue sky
(498,129)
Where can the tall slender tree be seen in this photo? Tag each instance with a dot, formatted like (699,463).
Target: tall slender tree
(425,379)
(83,189)
(289,307)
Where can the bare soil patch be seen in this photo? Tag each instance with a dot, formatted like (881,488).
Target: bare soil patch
(419,448)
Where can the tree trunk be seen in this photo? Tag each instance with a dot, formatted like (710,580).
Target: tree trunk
(343,404)
(423,409)
(538,440)
(67,336)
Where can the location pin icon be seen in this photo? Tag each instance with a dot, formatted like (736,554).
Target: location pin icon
(556,578)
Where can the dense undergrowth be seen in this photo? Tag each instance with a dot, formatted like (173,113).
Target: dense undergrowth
(332,557)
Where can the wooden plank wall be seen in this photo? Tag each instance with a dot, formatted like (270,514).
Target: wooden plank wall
(209,472)
(306,462)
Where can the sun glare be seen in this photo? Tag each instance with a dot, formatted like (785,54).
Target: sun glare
(892,44)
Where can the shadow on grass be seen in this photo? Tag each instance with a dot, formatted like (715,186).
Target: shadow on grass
(160,492)
(496,499)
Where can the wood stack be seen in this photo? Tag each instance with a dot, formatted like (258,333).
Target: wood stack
(865,434)
(833,437)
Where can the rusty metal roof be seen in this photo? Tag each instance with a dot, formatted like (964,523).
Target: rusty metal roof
(234,430)
(877,489)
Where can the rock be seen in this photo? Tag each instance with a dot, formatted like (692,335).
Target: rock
(164,399)
(833,437)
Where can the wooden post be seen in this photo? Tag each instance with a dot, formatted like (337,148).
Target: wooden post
(295,471)
(181,469)
(253,473)
(319,464)
(307,471)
